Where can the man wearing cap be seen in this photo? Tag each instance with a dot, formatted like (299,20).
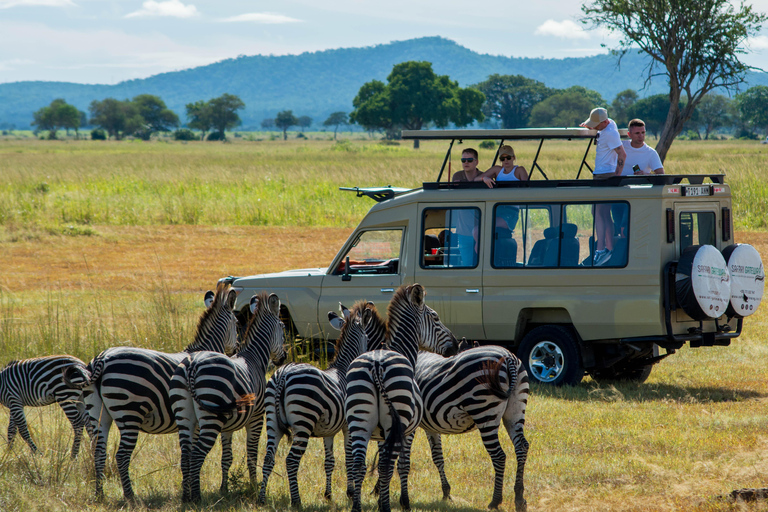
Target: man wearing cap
(609,162)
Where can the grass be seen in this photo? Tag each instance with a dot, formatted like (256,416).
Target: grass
(112,243)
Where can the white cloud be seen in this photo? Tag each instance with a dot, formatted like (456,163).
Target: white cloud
(565,29)
(5,4)
(757,43)
(172,8)
(262,17)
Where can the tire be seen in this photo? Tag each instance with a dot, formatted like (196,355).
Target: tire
(551,356)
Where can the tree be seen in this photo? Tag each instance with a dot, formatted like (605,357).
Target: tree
(714,111)
(285,120)
(268,124)
(695,44)
(510,98)
(652,110)
(336,119)
(304,122)
(414,97)
(118,118)
(157,117)
(59,114)
(45,119)
(199,117)
(566,108)
(621,105)
(223,112)
(753,106)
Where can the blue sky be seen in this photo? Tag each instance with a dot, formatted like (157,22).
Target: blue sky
(108,41)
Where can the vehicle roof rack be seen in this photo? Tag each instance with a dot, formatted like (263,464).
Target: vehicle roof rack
(378,194)
(540,134)
(648,179)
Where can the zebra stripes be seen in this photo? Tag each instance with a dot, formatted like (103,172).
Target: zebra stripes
(40,381)
(214,394)
(130,386)
(307,402)
(383,400)
(476,389)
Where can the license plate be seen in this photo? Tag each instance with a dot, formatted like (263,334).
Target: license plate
(696,190)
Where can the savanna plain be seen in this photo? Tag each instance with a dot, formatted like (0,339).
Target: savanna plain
(114,243)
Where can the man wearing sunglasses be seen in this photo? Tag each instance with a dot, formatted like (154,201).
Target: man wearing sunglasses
(469,166)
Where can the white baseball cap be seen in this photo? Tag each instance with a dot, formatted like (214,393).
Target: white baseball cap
(597,116)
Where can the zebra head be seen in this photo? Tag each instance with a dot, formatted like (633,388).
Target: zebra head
(217,327)
(409,307)
(265,331)
(375,328)
(353,339)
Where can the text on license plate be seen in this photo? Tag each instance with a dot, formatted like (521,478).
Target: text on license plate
(696,190)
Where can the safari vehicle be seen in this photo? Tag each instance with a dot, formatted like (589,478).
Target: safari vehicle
(514,265)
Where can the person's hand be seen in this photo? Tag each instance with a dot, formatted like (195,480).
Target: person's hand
(488,181)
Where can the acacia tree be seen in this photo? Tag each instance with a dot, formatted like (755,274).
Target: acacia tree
(199,117)
(565,107)
(285,120)
(652,110)
(336,119)
(223,112)
(118,118)
(414,97)
(59,114)
(714,111)
(753,106)
(157,117)
(511,98)
(304,122)
(695,44)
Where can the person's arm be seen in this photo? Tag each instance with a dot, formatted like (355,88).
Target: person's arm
(620,162)
(521,173)
(655,164)
(488,176)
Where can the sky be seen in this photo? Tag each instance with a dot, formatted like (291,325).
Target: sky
(109,41)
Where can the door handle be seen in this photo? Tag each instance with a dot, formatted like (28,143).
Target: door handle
(385,290)
(472,290)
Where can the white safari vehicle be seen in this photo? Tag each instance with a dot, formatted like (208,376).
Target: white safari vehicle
(514,265)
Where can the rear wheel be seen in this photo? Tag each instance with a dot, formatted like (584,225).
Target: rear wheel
(551,356)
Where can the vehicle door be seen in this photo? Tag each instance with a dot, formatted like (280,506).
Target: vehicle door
(449,264)
(373,273)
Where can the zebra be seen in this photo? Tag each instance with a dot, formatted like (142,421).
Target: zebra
(309,402)
(383,400)
(130,386)
(214,394)
(40,381)
(470,391)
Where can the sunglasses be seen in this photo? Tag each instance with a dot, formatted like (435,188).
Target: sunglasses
(465,160)
(504,158)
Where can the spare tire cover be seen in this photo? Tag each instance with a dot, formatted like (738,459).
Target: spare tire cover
(702,282)
(747,279)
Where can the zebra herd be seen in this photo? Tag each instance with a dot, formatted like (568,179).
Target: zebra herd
(387,379)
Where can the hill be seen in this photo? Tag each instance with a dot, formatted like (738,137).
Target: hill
(318,83)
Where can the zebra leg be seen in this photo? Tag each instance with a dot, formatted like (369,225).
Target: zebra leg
(515,431)
(76,419)
(19,421)
(274,436)
(226,460)
(403,469)
(253,435)
(330,463)
(209,430)
(490,437)
(436,447)
(11,432)
(347,462)
(292,461)
(129,435)
(103,421)
(387,461)
(359,445)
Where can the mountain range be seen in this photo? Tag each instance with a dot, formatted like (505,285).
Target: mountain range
(318,83)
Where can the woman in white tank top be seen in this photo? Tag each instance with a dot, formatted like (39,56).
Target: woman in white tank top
(507,171)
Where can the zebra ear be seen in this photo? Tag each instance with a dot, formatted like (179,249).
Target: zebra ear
(416,294)
(254,304)
(336,321)
(366,317)
(231,298)
(344,311)
(208,298)
(274,304)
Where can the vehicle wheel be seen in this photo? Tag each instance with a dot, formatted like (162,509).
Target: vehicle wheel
(551,356)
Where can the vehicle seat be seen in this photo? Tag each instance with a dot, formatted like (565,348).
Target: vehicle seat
(544,252)
(504,249)
(432,242)
(569,246)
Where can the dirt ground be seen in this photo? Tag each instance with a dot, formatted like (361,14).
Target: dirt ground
(187,258)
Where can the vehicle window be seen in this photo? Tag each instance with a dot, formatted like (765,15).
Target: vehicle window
(540,235)
(374,252)
(450,237)
(697,228)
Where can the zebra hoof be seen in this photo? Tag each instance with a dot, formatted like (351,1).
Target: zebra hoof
(521,505)
(494,505)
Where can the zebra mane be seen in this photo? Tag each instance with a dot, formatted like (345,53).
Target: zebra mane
(219,300)
(376,325)
(11,363)
(261,312)
(354,310)
(398,303)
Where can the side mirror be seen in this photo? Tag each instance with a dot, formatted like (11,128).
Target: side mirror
(346,276)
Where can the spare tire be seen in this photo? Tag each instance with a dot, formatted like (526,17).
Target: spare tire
(747,279)
(702,282)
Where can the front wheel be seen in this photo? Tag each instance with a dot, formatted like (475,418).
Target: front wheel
(551,356)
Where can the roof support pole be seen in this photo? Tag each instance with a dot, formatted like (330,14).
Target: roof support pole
(445,161)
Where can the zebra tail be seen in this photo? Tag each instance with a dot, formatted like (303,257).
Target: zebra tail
(490,377)
(395,440)
(76,376)
(239,405)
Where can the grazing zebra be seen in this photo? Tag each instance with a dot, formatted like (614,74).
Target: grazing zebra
(476,389)
(130,386)
(383,400)
(309,402)
(40,381)
(216,394)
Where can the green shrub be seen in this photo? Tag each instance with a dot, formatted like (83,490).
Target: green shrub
(98,134)
(216,136)
(488,144)
(184,134)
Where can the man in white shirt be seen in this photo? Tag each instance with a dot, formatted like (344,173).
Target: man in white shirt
(639,153)
(609,162)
